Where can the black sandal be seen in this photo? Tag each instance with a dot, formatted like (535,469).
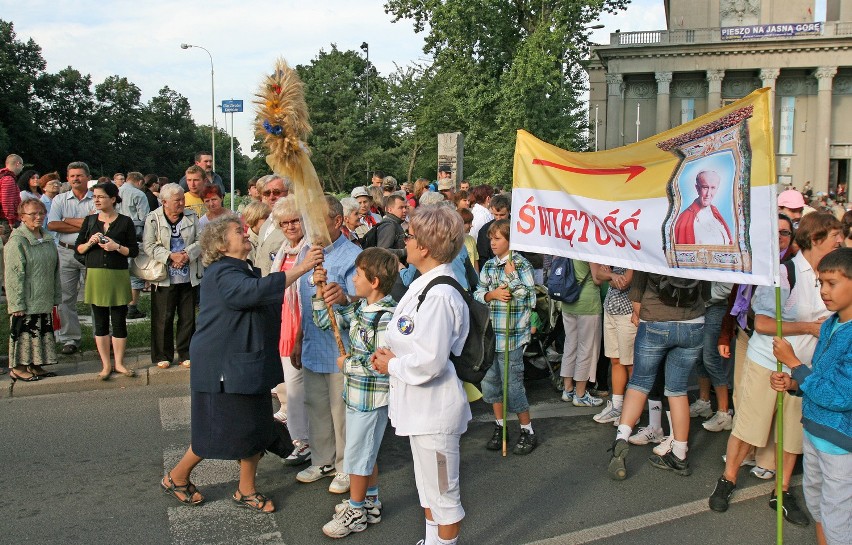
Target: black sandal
(188,490)
(256,501)
(41,373)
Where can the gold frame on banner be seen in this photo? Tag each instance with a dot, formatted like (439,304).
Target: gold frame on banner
(728,135)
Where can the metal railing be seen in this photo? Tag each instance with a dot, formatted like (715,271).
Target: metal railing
(712,35)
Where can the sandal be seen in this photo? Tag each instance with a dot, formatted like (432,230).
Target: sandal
(127,372)
(256,501)
(39,372)
(187,490)
(163,364)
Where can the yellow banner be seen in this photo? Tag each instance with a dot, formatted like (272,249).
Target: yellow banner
(638,170)
(695,201)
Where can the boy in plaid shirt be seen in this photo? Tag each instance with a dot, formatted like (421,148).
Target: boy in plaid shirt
(365,391)
(507,286)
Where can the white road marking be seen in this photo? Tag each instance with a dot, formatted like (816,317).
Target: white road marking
(554,408)
(222,522)
(662,516)
(206,473)
(174,413)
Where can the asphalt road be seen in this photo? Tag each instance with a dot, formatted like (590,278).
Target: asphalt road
(84,467)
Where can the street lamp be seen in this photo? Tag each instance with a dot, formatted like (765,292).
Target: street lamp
(365,47)
(212,104)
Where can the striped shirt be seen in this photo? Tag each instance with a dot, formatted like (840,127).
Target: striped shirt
(517,312)
(363,388)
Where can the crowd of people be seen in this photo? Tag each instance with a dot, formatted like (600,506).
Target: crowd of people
(256,274)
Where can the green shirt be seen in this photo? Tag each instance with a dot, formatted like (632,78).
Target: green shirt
(589,302)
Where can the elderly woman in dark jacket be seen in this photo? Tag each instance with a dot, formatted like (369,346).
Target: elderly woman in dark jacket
(232,374)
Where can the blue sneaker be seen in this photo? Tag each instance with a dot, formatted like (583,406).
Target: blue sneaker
(568,396)
(586,400)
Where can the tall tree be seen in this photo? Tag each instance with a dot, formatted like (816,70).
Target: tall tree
(21,64)
(168,127)
(503,65)
(65,119)
(117,125)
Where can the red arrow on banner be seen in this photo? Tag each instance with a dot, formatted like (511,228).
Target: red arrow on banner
(632,171)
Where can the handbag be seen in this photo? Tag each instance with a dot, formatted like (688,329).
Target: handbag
(87,225)
(147,268)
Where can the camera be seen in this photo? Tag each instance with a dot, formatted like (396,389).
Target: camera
(102,239)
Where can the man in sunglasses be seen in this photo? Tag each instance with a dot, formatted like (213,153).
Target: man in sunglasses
(270,237)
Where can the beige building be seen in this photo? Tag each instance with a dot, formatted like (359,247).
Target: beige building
(717,51)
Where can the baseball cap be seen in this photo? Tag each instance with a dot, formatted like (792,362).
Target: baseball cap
(446,184)
(791,199)
(445,168)
(360,191)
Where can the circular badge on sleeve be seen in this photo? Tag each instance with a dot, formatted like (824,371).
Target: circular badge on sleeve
(405,325)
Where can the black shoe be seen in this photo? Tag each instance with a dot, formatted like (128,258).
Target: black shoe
(134,313)
(69,348)
(617,468)
(670,462)
(526,443)
(496,441)
(721,495)
(792,512)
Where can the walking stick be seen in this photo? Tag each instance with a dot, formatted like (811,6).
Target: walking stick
(282,125)
(332,320)
(779,435)
(506,370)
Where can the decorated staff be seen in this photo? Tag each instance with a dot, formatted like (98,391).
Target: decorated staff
(282,124)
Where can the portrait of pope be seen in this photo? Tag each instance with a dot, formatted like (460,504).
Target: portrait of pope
(701,222)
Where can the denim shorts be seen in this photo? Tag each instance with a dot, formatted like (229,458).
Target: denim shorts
(677,345)
(364,432)
(492,384)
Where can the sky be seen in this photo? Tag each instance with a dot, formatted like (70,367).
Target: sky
(141,41)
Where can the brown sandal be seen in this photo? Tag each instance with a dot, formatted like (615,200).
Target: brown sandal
(187,490)
(256,501)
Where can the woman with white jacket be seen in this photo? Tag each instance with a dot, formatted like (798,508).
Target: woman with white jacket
(427,401)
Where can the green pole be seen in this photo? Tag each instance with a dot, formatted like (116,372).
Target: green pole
(506,371)
(779,436)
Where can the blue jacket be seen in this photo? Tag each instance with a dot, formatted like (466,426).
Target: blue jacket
(235,345)
(827,386)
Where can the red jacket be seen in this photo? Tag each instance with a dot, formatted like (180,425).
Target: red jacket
(10,196)
(685,224)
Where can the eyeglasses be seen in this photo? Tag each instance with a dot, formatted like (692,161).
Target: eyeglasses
(36,214)
(290,223)
(408,236)
(275,192)
(785,233)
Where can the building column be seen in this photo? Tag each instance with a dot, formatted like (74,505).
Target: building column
(825,79)
(664,80)
(767,79)
(614,110)
(714,90)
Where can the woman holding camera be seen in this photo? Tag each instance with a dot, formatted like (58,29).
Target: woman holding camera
(106,240)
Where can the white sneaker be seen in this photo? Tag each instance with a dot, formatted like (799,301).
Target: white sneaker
(340,484)
(665,446)
(720,421)
(608,414)
(568,395)
(315,473)
(763,473)
(373,508)
(646,435)
(587,400)
(351,519)
(301,454)
(701,408)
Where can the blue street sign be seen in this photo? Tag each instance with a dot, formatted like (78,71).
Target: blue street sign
(231,106)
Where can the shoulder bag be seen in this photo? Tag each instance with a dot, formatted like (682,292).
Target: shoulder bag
(146,267)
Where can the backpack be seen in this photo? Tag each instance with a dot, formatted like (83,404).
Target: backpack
(674,291)
(371,237)
(477,355)
(562,283)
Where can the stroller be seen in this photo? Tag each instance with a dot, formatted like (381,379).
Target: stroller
(543,354)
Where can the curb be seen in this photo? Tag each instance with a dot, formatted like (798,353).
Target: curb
(80,375)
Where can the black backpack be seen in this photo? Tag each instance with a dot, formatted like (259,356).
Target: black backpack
(371,237)
(477,355)
(674,291)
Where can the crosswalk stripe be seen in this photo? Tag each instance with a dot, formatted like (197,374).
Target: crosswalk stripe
(206,473)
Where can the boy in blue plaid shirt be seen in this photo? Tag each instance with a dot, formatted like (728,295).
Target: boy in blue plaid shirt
(507,286)
(365,391)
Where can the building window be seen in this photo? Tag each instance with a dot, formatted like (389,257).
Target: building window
(785,133)
(687,110)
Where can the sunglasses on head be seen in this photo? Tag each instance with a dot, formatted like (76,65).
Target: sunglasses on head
(275,192)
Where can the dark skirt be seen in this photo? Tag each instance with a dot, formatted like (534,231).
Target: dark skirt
(231,426)
(31,340)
